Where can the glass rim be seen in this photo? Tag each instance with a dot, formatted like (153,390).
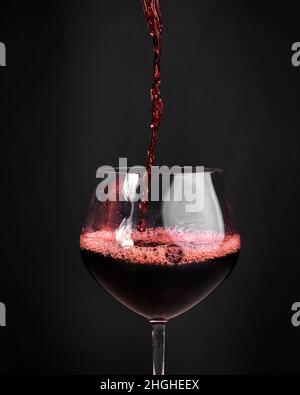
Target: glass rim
(191,169)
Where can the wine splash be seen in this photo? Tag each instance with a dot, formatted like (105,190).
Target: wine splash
(153,16)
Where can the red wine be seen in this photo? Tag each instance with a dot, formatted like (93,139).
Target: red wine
(154,20)
(165,273)
(153,16)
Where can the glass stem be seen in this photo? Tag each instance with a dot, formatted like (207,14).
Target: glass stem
(158,347)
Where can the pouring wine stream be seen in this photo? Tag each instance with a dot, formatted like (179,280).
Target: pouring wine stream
(153,17)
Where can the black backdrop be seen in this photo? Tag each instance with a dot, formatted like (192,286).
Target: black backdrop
(74,95)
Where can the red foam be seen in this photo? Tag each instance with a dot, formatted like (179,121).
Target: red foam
(162,246)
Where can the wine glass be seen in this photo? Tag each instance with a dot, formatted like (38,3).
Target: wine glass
(188,246)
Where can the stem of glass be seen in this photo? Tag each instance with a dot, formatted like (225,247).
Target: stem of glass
(158,347)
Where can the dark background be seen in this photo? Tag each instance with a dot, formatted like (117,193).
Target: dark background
(74,96)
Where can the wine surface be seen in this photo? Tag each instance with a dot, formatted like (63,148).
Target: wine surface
(165,273)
